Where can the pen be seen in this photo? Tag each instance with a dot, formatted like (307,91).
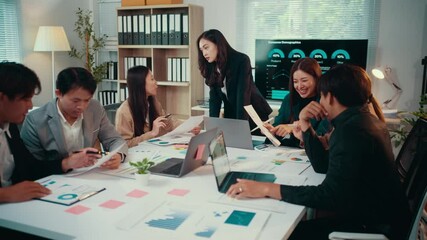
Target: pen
(93,152)
(89,194)
(168,115)
(264,123)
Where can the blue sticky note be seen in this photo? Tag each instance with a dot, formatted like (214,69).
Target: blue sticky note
(240,218)
(153,140)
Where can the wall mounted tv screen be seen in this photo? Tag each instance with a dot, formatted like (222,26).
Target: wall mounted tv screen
(274,59)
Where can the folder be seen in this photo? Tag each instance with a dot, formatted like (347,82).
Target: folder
(185,36)
(154,29)
(141,29)
(178,29)
(169,64)
(171,31)
(135,30)
(147,29)
(165,28)
(178,70)
(129,30)
(120,29)
(174,66)
(159,29)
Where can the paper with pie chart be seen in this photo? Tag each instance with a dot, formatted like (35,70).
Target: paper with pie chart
(67,193)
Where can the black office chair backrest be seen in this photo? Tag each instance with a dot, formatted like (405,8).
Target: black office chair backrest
(412,163)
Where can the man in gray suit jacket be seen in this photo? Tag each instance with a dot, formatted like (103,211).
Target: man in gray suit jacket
(67,128)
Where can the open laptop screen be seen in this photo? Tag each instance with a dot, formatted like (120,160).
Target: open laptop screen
(220,161)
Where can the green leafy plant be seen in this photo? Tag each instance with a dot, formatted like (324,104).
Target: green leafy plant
(398,136)
(91,44)
(142,166)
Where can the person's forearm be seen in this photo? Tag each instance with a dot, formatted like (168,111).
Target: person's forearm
(272,190)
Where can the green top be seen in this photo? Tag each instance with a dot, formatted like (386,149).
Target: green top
(284,117)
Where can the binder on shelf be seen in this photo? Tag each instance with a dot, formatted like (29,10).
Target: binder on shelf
(178,70)
(174,67)
(120,29)
(165,28)
(159,29)
(141,30)
(153,29)
(147,29)
(178,29)
(185,36)
(169,65)
(171,31)
(135,30)
(129,30)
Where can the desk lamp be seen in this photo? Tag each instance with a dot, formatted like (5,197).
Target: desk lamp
(51,39)
(384,73)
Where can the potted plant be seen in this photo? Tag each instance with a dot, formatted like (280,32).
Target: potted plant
(142,174)
(91,44)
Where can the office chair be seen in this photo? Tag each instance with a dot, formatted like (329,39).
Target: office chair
(411,164)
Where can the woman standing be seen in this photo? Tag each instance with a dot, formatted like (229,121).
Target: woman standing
(228,74)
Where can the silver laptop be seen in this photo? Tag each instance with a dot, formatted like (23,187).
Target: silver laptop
(237,132)
(177,167)
(221,166)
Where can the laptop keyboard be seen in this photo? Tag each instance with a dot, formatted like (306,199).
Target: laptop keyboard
(174,170)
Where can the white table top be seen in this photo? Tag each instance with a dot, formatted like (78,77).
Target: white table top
(126,220)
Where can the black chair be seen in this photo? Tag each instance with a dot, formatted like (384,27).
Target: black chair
(111,110)
(107,97)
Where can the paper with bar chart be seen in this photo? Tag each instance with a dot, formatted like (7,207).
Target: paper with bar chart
(198,221)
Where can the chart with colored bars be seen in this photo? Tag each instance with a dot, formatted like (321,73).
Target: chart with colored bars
(274,59)
(208,221)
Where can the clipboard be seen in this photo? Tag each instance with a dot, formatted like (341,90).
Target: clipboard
(66,193)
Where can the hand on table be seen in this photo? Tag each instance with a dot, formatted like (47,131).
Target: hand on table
(253,189)
(23,191)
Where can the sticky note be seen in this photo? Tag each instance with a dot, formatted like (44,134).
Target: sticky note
(78,209)
(112,204)
(136,193)
(200,151)
(179,192)
(180,146)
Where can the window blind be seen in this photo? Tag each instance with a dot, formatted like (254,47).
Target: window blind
(306,19)
(10,48)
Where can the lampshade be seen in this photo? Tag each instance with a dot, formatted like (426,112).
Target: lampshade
(51,39)
(385,73)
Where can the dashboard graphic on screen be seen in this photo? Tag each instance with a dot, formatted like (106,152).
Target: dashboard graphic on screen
(274,59)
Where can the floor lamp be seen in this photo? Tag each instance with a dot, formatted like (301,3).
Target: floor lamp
(51,39)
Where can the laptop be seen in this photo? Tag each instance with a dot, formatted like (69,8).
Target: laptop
(221,166)
(196,156)
(237,132)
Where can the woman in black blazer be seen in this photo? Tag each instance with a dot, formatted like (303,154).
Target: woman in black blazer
(228,74)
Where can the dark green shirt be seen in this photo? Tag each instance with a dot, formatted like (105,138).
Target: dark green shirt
(361,180)
(284,117)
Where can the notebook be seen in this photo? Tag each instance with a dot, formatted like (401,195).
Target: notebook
(237,132)
(221,166)
(196,156)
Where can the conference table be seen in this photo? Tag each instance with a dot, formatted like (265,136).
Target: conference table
(189,207)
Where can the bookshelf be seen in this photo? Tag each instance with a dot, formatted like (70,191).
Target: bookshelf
(177,95)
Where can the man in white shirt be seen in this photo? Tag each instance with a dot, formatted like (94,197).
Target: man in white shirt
(18,84)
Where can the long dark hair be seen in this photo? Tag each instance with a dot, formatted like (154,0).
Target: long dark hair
(309,66)
(140,106)
(209,70)
(350,85)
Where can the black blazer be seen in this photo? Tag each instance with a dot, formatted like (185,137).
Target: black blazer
(241,91)
(26,166)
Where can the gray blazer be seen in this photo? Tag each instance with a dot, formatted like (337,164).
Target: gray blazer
(43,136)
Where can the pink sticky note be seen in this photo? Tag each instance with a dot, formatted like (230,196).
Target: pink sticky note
(179,192)
(78,209)
(113,204)
(200,150)
(136,193)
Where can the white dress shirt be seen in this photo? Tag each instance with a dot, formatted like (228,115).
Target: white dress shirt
(7,163)
(73,134)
